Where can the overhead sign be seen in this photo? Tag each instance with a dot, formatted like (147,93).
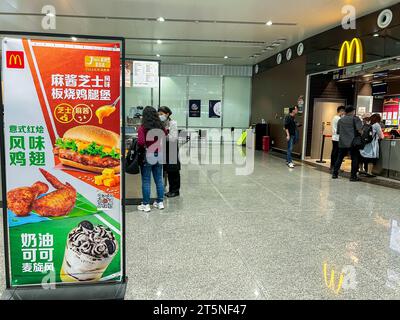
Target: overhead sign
(145,74)
(351,53)
(62,146)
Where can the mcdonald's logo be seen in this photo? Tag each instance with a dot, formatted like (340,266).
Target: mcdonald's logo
(331,282)
(351,52)
(15,59)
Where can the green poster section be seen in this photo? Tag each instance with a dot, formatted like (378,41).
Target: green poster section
(60,228)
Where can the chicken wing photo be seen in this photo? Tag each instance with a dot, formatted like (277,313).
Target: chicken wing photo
(20,200)
(57,203)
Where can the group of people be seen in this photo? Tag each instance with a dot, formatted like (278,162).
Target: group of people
(347,129)
(157,157)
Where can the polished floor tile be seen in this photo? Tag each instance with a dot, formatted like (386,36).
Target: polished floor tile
(267,235)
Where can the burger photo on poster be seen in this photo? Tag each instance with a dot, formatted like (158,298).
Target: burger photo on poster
(89,148)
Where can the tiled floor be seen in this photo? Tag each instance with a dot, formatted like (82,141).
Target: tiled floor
(265,236)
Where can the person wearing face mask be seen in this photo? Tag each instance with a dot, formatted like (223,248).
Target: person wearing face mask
(173,166)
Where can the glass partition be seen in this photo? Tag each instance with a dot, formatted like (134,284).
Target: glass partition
(237,100)
(205,89)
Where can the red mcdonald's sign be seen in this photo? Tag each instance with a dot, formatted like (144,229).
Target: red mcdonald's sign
(15,59)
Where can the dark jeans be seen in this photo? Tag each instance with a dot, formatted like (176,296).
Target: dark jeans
(146,170)
(290,145)
(335,153)
(354,153)
(174,181)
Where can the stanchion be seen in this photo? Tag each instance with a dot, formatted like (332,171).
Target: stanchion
(321,159)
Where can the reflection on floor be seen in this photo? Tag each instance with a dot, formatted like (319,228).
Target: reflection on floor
(346,166)
(278,233)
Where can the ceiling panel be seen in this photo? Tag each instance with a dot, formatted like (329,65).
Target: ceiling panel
(310,16)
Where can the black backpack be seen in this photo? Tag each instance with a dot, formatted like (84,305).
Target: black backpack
(367,134)
(133,159)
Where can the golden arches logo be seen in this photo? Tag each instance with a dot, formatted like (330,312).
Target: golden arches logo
(330,283)
(15,60)
(351,52)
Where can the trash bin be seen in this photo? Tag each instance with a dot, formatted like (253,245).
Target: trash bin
(266,143)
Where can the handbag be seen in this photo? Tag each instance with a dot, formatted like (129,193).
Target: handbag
(133,160)
(357,142)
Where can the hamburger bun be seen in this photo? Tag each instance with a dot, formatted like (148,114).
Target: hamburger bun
(95,134)
(81,166)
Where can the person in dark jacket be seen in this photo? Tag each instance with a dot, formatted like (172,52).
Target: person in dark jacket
(173,166)
(348,127)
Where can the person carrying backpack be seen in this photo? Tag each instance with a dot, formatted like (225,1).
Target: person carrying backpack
(366,134)
(371,136)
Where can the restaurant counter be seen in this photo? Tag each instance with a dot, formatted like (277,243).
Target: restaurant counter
(389,161)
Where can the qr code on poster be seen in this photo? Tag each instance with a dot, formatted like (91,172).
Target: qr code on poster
(105,201)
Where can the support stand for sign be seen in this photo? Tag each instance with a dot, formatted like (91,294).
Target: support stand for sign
(106,291)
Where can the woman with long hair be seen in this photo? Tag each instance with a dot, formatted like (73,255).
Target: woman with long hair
(370,153)
(149,134)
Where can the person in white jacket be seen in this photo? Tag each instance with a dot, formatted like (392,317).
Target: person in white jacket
(173,165)
(335,136)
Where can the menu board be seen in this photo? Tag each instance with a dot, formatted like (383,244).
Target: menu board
(391,111)
(63,161)
(145,74)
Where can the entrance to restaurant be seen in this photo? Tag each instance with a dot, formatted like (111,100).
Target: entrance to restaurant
(324,111)
(372,88)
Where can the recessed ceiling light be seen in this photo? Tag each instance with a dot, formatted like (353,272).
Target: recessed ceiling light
(226,57)
(74,38)
(160,19)
(376,35)
(269,23)
(158,55)
(159,41)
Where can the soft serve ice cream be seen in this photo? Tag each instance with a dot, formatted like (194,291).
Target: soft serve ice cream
(89,251)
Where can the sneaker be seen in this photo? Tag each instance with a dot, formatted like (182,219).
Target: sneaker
(291,165)
(144,207)
(159,205)
(335,176)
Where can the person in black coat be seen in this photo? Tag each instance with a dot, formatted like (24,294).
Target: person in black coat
(173,165)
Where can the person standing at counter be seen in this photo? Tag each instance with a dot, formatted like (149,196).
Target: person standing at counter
(151,165)
(173,165)
(370,153)
(335,135)
(349,127)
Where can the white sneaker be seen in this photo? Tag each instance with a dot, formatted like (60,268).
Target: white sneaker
(145,208)
(159,205)
(291,165)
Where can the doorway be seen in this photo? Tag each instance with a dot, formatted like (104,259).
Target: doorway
(324,111)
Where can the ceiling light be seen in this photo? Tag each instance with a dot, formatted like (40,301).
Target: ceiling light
(269,23)
(160,19)
(157,55)
(226,57)
(74,38)
(159,41)
(376,35)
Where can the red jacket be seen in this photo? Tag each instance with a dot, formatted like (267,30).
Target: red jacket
(142,138)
